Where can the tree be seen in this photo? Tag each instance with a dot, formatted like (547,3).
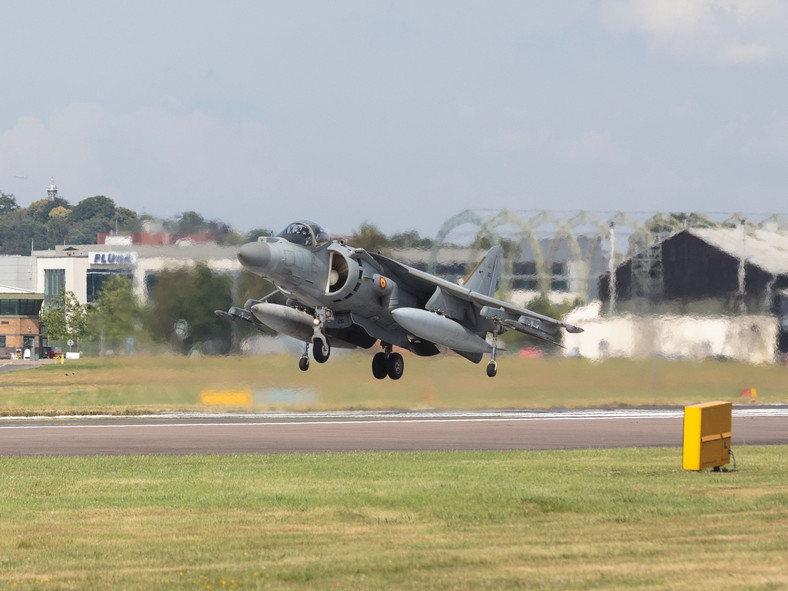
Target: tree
(7,203)
(98,207)
(191,295)
(190,222)
(59,213)
(409,239)
(369,237)
(40,210)
(126,220)
(18,232)
(253,235)
(116,315)
(64,317)
(85,232)
(511,249)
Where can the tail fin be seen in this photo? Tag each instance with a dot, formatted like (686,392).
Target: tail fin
(484,277)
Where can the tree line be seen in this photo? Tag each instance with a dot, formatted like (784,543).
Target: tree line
(46,223)
(178,315)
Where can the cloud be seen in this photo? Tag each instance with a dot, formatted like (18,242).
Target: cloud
(775,140)
(164,161)
(177,161)
(763,139)
(593,146)
(506,140)
(718,32)
(64,143)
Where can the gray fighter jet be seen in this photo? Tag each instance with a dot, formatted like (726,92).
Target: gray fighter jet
(330,294)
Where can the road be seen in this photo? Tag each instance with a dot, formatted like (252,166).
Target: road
(276,432)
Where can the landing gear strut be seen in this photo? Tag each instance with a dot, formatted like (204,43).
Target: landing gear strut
(388,364)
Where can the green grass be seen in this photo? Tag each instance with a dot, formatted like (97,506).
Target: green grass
(594,519)
(142,384)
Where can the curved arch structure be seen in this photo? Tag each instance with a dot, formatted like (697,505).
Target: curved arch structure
(597,227)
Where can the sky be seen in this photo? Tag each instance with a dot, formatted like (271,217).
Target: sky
(402,113)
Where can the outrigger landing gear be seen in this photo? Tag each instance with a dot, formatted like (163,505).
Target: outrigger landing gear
(388,364)
(303,362)
(492,367)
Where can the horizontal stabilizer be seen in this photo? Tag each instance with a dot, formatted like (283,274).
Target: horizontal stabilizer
(545,329)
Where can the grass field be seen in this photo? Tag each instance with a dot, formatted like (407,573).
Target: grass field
(140,384)
(601,519)
(593,519)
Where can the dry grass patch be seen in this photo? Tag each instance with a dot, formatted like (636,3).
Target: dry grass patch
(140,384)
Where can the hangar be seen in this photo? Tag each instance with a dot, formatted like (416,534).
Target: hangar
(707,271)
(727,265)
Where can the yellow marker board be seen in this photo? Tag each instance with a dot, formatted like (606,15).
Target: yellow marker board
(228,397)
(707,435)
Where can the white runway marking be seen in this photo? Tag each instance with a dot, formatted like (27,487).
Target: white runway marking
(366,417)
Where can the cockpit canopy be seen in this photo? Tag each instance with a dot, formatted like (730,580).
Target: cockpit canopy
(305,233)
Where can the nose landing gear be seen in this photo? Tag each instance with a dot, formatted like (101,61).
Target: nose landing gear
(320,347)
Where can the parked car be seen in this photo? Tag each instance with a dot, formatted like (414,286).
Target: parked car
(51,352)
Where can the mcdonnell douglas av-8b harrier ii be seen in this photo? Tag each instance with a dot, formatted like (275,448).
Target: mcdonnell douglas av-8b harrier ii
(330,294)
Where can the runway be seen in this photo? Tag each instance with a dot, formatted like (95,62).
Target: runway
(313,432)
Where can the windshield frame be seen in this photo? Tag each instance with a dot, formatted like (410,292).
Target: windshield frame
(305,233)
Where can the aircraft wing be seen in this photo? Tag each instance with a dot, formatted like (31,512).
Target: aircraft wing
(514,317)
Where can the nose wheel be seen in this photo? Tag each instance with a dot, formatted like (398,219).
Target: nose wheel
(320,347)
(321,350)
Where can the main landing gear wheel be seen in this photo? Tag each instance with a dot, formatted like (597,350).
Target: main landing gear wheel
(321,350)
(379,369)
(395,366)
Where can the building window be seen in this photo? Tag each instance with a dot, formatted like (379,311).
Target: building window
(20,307)
(96,281)
(54,283)
(524,275)
(559,280)
(2,340)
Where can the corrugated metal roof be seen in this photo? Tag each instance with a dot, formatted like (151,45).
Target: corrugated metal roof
(762,248)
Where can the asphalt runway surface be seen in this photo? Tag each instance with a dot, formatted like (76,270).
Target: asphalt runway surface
(345,431)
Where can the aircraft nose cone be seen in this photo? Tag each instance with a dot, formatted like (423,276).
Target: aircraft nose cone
(254,255)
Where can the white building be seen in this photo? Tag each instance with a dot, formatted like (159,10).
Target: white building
(83,269)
